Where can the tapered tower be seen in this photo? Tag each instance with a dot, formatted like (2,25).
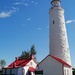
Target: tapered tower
(58,37)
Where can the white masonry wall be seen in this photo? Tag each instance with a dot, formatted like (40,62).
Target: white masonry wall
(58,37)
(51,66)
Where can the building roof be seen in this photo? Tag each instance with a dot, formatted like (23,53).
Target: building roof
(58,59)
(56,0)
(19,63)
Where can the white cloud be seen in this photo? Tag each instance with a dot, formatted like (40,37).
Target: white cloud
(28,19)
(39,29)
(13,8)
(21,3)
(36,3)
(26,4)
(17,3)
(32,1)
(4,14)
(70,21)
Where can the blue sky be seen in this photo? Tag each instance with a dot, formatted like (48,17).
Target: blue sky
(26,22)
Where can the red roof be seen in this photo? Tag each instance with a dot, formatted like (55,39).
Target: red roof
(58,59)
(19,63)
(61,61)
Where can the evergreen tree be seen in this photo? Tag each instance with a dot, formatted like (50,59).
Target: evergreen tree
(24,55)
(32,50)
(27,54)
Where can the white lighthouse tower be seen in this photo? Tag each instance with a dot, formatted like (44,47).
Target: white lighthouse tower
(58,61)
(58,37)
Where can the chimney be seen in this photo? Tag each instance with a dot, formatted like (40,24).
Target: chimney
(16,58)
(14,65)
(32,56)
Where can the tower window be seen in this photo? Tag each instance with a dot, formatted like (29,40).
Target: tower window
(53,21)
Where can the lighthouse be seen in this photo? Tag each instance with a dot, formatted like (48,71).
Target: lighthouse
(58,62)
(58,36)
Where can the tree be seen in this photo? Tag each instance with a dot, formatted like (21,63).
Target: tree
(27,54)
(2,63)
(24,55)
(32,50)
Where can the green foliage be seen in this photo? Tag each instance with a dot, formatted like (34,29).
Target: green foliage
(27,54)
(32,50)
(73,71)
(2,63)
(24,55)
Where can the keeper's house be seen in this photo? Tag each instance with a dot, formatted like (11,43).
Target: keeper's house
(21,67)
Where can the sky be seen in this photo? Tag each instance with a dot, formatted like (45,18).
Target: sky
(26,22)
